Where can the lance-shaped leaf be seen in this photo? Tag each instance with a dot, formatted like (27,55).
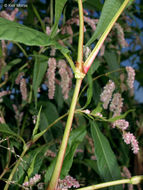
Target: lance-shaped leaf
(16,32)
(109,9)
(40,66)
(59,5)
(106,160)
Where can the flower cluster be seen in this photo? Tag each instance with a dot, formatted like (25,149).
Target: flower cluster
(32,181)
(66,183)
(131,76)
(129,138)
(23,89)
(116,107)
(66,76)
(11,16)
(116,104)
(86,52)
(19,77)
(20,80)
(106,95)
(51,77)
(98,114)
(18,114)
(50,153)
(4,93)
(120,35)
(121,123)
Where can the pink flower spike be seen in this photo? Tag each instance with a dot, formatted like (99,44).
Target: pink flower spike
(106,95)
(121,123)
(129,138)
(131,76)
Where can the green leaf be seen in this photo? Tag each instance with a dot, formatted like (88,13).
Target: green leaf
(94,66)
(9,66)
(76,137)
(122,116)
(91,164)
(59,5)
(30,164)
(112,61)
(98,109)
(16,32)
(37,124)
(109,9)
(48,115)
(92,5)
(106,160)
(40,67)
(36,162)
(90,88)
(4,128)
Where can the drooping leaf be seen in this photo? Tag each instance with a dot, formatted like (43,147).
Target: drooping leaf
(40,67)
(109,9)
(16,32)
(106,160)
(59,5)
(76,137)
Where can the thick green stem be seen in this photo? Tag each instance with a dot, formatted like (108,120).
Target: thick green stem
(56,174)
(15,168)
(134,180)
(57,171)
(81,36)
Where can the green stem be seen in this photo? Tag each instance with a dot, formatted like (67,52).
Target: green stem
(15,168)
(57,171)
(95,51)
(70,61)
(21,48)
(56,174)
(51,12)
(81,36)
(134,180)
